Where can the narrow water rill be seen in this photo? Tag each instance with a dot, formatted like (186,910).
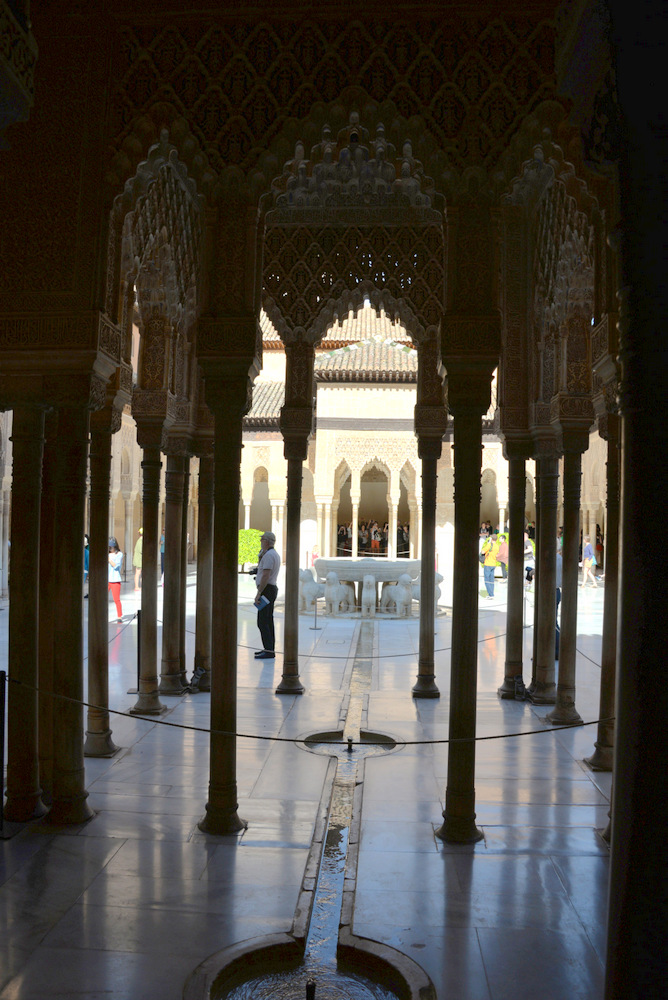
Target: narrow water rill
(333,964)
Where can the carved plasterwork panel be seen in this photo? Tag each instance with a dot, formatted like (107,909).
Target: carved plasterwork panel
(358,452)
(472,78)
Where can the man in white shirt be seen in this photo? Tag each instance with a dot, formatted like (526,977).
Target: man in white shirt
(267,575)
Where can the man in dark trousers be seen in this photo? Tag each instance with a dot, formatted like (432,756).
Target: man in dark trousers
(267,575)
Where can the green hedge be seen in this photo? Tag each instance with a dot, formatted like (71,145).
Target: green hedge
(249,545)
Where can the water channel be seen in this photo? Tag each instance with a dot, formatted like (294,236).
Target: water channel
(318,977)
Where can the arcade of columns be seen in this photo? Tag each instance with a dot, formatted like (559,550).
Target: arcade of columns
(165,205)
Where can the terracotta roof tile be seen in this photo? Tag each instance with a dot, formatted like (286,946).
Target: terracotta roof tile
(268,399)
(362,325)
(369,361)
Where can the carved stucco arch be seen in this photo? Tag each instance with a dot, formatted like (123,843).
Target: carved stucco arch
(357,213)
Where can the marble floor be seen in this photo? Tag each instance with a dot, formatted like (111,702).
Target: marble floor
(127,905)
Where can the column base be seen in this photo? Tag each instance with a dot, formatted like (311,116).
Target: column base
(24,809)
(171,685)
(100,745)
(601,759)
(513,688)
(425,687)
(148,704)
(456,830)
(290,685)
(221,822)
(70,812)
(542,693)
(566,714)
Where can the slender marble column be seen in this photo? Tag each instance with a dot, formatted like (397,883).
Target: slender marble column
(170,669)
(459,815)
(392,529)
(48,589)
(564,710)
(544,690)
(536,578)
(247,510)
(148,702)
(295,452)
(429,450)
(326,550)
(602,758)
(183,587)
(69,793)
(202,674)
(98,731)
(24,800)
(355,537)
(4,541)
(221,809)
(513,684)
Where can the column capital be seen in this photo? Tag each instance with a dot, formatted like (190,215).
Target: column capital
(296,423)
(430,421)
(224,338)
(521,448)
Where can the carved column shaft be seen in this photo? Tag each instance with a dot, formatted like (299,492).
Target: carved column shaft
(543,691)
(355,534)
(170,669)
(290,683)
(513,684)
(148,702)
(98,732)
(425,687)
(69,794)
(536,577)
(48,589)
(564,710)
(459,815)
(4,541)
(23,787)
(221,809)
(602,758)
(204,574)
(183,588)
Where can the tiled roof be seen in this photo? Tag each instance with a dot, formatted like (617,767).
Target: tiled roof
(362,325)
(369,361)
(268,399)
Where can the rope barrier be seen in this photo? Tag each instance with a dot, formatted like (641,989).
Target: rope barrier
(292,739)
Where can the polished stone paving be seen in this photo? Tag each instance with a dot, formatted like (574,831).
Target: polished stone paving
(128,904)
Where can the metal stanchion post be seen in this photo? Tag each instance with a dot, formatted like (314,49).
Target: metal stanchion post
(315,627)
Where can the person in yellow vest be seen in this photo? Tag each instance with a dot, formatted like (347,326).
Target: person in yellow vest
(136,558)
(489,551)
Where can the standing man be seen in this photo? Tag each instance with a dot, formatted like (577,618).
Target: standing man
(267,575)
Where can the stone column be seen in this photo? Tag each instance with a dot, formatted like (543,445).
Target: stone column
(502,518)
(602,758)
(513,683)
(4,541)
(48,589)
(290,682)
(327,543)
(202,674)
(247,510)
(183,588)
(469,394)
(229,398)
(430,426)
(393,505)
(148,702)
(425,687)
(459,815)
(356,516)
(24,800)
(564,710)
(69,794)
(412,529)
(543,692)
(127,536)
(98,731)
(536,577)
(319,527)
(170,669)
